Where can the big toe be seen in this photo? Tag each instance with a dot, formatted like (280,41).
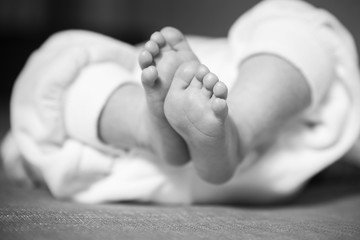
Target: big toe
(175,38)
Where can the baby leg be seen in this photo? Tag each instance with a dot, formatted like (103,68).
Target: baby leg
(268,93)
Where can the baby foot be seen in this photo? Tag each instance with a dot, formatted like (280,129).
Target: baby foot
(162,55)
(196,108)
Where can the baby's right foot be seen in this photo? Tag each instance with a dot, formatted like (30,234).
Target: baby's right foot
(196,107)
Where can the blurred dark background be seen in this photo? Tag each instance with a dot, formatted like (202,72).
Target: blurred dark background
(25,24)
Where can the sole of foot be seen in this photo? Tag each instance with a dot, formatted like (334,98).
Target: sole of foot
(196,108)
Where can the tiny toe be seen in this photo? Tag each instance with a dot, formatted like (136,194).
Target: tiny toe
(220,90)
(175,38)
(149,76)
(186,73)
(158,38)
(145,59)
(152,47)
(210,80)
(220,108)
(201,72)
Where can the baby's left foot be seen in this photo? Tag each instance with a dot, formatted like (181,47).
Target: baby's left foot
(196,107)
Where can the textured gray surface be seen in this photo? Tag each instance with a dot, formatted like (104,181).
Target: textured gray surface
(328,209)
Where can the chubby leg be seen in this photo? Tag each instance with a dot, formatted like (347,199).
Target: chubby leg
(269,92)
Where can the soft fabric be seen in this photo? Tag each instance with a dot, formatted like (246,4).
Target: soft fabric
(59,96)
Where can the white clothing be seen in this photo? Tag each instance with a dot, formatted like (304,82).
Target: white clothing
(54,121)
